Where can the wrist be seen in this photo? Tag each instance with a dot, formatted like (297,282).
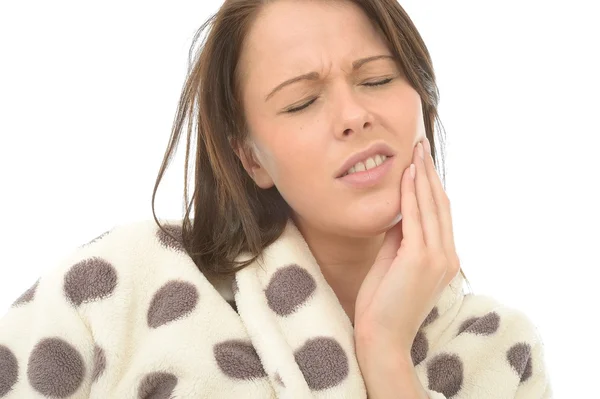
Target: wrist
(368,342)
(387,370)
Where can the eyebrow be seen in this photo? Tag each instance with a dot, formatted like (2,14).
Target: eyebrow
(315,75)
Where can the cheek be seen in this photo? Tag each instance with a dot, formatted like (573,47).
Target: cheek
(297,171)
(299,156)
(301,177)
(401,109)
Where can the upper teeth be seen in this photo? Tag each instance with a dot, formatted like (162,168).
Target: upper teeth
(369,163)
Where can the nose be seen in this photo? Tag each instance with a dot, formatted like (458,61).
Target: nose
(352,114)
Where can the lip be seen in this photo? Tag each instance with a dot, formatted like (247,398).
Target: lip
(372,150)
(368,178)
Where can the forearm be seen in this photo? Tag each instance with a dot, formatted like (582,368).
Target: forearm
(390,374)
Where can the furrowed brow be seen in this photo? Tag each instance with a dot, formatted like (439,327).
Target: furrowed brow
(315,75)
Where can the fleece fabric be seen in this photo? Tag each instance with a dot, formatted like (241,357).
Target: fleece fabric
(129,315)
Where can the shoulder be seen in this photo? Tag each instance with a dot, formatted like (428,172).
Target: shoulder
(494,346)
(126,242)
(146,233)
(489,319)
(135,244)
(121,261)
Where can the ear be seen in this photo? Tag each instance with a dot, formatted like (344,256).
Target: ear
(253,165)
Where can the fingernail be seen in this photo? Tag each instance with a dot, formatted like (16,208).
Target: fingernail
(420,149)
(427,146)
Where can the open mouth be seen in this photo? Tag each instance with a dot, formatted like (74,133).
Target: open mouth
(366,165)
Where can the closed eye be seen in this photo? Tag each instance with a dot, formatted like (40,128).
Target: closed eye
(369,84)
(379,83)
(300,108)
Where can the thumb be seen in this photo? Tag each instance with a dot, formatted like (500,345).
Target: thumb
(383,261)
(389,249)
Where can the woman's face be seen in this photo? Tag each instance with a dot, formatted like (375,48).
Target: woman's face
(341,112)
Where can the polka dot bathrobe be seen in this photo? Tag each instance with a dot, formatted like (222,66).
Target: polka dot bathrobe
(129,315)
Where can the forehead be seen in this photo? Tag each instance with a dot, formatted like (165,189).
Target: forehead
(295,36)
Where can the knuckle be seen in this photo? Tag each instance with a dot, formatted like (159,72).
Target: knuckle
(453,264)
(445,201)
(433,203)
(440,262)
(417,214)
(456,261)
(435,262)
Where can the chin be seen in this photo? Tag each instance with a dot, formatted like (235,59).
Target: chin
(366,216)
(373,227)
(372,221)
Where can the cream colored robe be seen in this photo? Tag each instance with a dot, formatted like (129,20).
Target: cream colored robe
(129,315)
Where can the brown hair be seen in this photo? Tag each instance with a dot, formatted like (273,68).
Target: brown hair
(231,214)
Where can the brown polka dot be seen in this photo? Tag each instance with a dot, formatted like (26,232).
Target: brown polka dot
(519,357)
(55,368)
(10,370)
(99,363)
(466,324)
(279,380)
(238,359)
(172,301)
(445,374)
(419,348)
(233,305)
(89,280)
(431,317)
(485,325)
(289,288)
(27,296)
(157,385)
(323,363)
(528,371)
(174,239)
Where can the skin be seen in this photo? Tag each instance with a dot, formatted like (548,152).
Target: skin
(300,152)
(373,262)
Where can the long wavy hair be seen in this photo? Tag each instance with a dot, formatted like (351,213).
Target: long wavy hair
(230,213)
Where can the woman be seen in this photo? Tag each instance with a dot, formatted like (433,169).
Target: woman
(318,215)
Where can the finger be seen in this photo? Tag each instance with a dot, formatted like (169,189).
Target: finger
(387,253)
(442,201)
(427,205)
(391,242)
(412,233)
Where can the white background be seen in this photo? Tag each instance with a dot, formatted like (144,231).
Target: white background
(88,93)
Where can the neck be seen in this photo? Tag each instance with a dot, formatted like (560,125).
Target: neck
(344,261)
